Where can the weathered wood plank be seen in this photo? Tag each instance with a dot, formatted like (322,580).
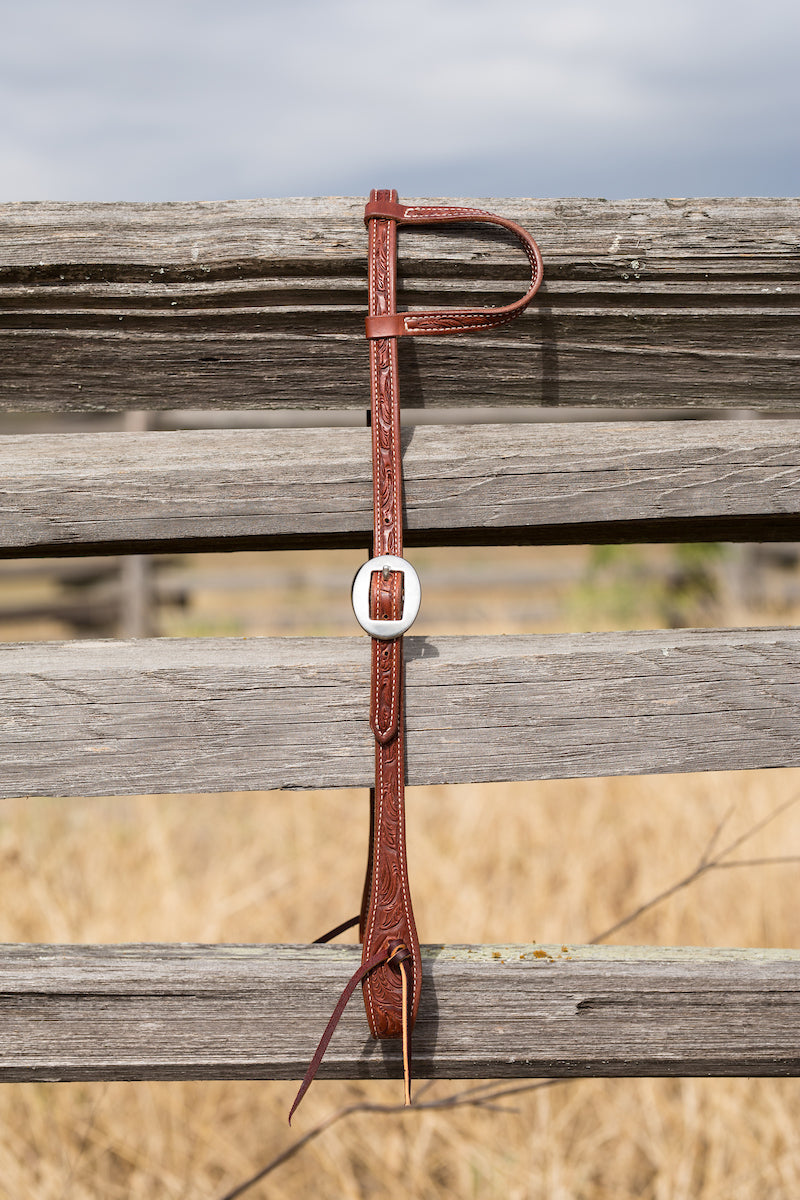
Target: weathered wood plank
(97,718)
(189,240)
(256,304)
(581,483)
(255,1012)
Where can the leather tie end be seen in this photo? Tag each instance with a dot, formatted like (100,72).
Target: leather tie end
(398,953)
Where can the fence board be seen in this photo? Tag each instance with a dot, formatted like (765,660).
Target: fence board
(257,304)
(255,1012)
(83,493)
(100,718)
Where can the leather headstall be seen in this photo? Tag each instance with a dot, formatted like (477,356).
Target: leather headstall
(386,597)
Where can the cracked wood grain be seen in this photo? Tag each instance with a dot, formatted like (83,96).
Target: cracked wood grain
(117,493)
(522,1011)
(259,304)
(104,718)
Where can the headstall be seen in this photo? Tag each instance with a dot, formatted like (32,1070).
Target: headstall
(386,598)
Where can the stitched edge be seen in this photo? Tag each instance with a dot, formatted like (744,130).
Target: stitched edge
(382,747)
(379,729)
(518,306)
(403,865)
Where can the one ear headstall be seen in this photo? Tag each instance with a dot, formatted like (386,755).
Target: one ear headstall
(386,596)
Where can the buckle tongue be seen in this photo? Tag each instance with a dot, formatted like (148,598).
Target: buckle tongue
(412,596)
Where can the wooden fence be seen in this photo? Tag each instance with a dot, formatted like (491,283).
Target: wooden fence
(653,304)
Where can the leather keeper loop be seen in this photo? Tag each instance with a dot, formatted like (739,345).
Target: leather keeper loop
(389,325)
(389,210)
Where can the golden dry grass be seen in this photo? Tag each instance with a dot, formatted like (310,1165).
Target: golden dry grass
(565,861)
(554,861)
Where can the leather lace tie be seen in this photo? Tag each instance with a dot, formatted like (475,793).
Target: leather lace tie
(386,600)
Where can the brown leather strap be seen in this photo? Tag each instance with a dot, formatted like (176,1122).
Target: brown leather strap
(388,918)
(391,967)
(350,923)
(393,954)
(389,324)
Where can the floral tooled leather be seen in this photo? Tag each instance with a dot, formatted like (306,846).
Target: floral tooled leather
(391,953)
(391,949)
(388,917)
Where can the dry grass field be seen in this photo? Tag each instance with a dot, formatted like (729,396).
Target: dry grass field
(567,860)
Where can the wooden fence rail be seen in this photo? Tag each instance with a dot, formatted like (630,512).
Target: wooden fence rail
(105,492)
(108,718)
(257,305)
(255,1012)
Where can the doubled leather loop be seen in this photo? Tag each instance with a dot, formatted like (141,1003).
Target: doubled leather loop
(454,320)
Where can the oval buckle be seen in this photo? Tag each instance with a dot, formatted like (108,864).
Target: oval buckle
(385,630)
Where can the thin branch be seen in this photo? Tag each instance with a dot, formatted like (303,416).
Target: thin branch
(712,841)
(777,860)
(485,1095)
(652,902)
(422,1088)
(767,820)
(464,1099)
(290,1152)
(706,863)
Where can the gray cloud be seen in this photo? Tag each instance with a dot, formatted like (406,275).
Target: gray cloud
(186,99)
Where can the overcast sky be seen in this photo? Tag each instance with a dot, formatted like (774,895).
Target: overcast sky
(225,99)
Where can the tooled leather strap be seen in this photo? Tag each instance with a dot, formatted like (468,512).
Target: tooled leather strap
(388,917)
(391,969)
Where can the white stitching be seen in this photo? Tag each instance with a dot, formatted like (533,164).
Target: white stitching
(375,864)
(404,862)
(518,305)
(403,874)
(395,688)
(385,729)
(504,320)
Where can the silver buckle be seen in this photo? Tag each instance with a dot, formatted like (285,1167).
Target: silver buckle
(412,596)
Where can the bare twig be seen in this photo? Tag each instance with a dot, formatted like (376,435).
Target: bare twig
(468,1098)
(762,824)
(706,863)
(776,861)
(485,1095)
(712,841)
